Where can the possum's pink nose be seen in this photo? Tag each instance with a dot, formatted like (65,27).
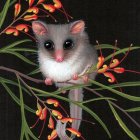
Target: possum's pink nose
(59,59)
(59,56)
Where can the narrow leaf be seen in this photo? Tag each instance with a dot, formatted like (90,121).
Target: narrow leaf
(122,124)
(136,109)
(4,13)
(132,98)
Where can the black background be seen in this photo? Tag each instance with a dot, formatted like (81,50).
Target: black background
(106,21)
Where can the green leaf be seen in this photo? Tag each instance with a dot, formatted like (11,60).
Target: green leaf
(13,83)
(106,46)
(121,51)
(125,84)
(37,70)
(16,43)
(15,98)
(122,124)
(24,122)
(20,57)
(12,2)
(4,13)
(23,50)
(94,115)
(132,98)
(136,109)
(98,99)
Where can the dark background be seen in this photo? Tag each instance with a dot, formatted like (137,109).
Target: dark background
(106,21)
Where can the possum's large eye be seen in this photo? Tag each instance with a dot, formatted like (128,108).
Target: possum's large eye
(68,44)
(49,45)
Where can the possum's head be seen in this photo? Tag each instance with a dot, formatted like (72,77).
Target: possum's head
(60,42)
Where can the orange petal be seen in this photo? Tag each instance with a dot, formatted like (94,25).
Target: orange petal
(40,1)
(74,131)
(22,27)
(35,10)
(52,101)
(51,123)
(119,70)
(39,111)
(57,113)
(13,31)
(100,61)
(104,69)
(53,135)
(17,9)
(111,79)
(49,7)
(31,2)
(30,17)
(65,120)
(57,4)
(114,63)
(43,114)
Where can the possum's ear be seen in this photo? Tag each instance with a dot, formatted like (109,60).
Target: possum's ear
(77,27)
(39,28)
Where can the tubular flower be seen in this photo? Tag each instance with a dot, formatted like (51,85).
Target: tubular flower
(22,27)
(57,113)
(40,1)
(39,111)
(52,101)
(74,131)
(17,9)
(119,70)
(111,79)
(51,123)
(53,135)
(114,63)
(104,69)
(13,31)
(30,17)
(34,10)
(100,61)
(57,4)
(31,2)
(65,120)
(49,7)
(43,114)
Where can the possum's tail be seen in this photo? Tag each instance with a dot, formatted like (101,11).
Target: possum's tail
(75,112)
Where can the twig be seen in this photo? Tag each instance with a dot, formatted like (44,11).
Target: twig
(21,74)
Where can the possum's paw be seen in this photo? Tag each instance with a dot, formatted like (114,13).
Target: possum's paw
(48,81)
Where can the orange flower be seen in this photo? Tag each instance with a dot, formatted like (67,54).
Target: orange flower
(49,7)
(43,114)
(13,31)
(39,111)
(53,135)
(40,1)
(17,9)
(30,17)
(74,131)
(51,123)
(52,101)
(65,120)
(100,62)
(111,79)
(119,70)
(57,4)
(104,69)
(22,27)
(114,63)
(31,2)
(57,113)
(35,10)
